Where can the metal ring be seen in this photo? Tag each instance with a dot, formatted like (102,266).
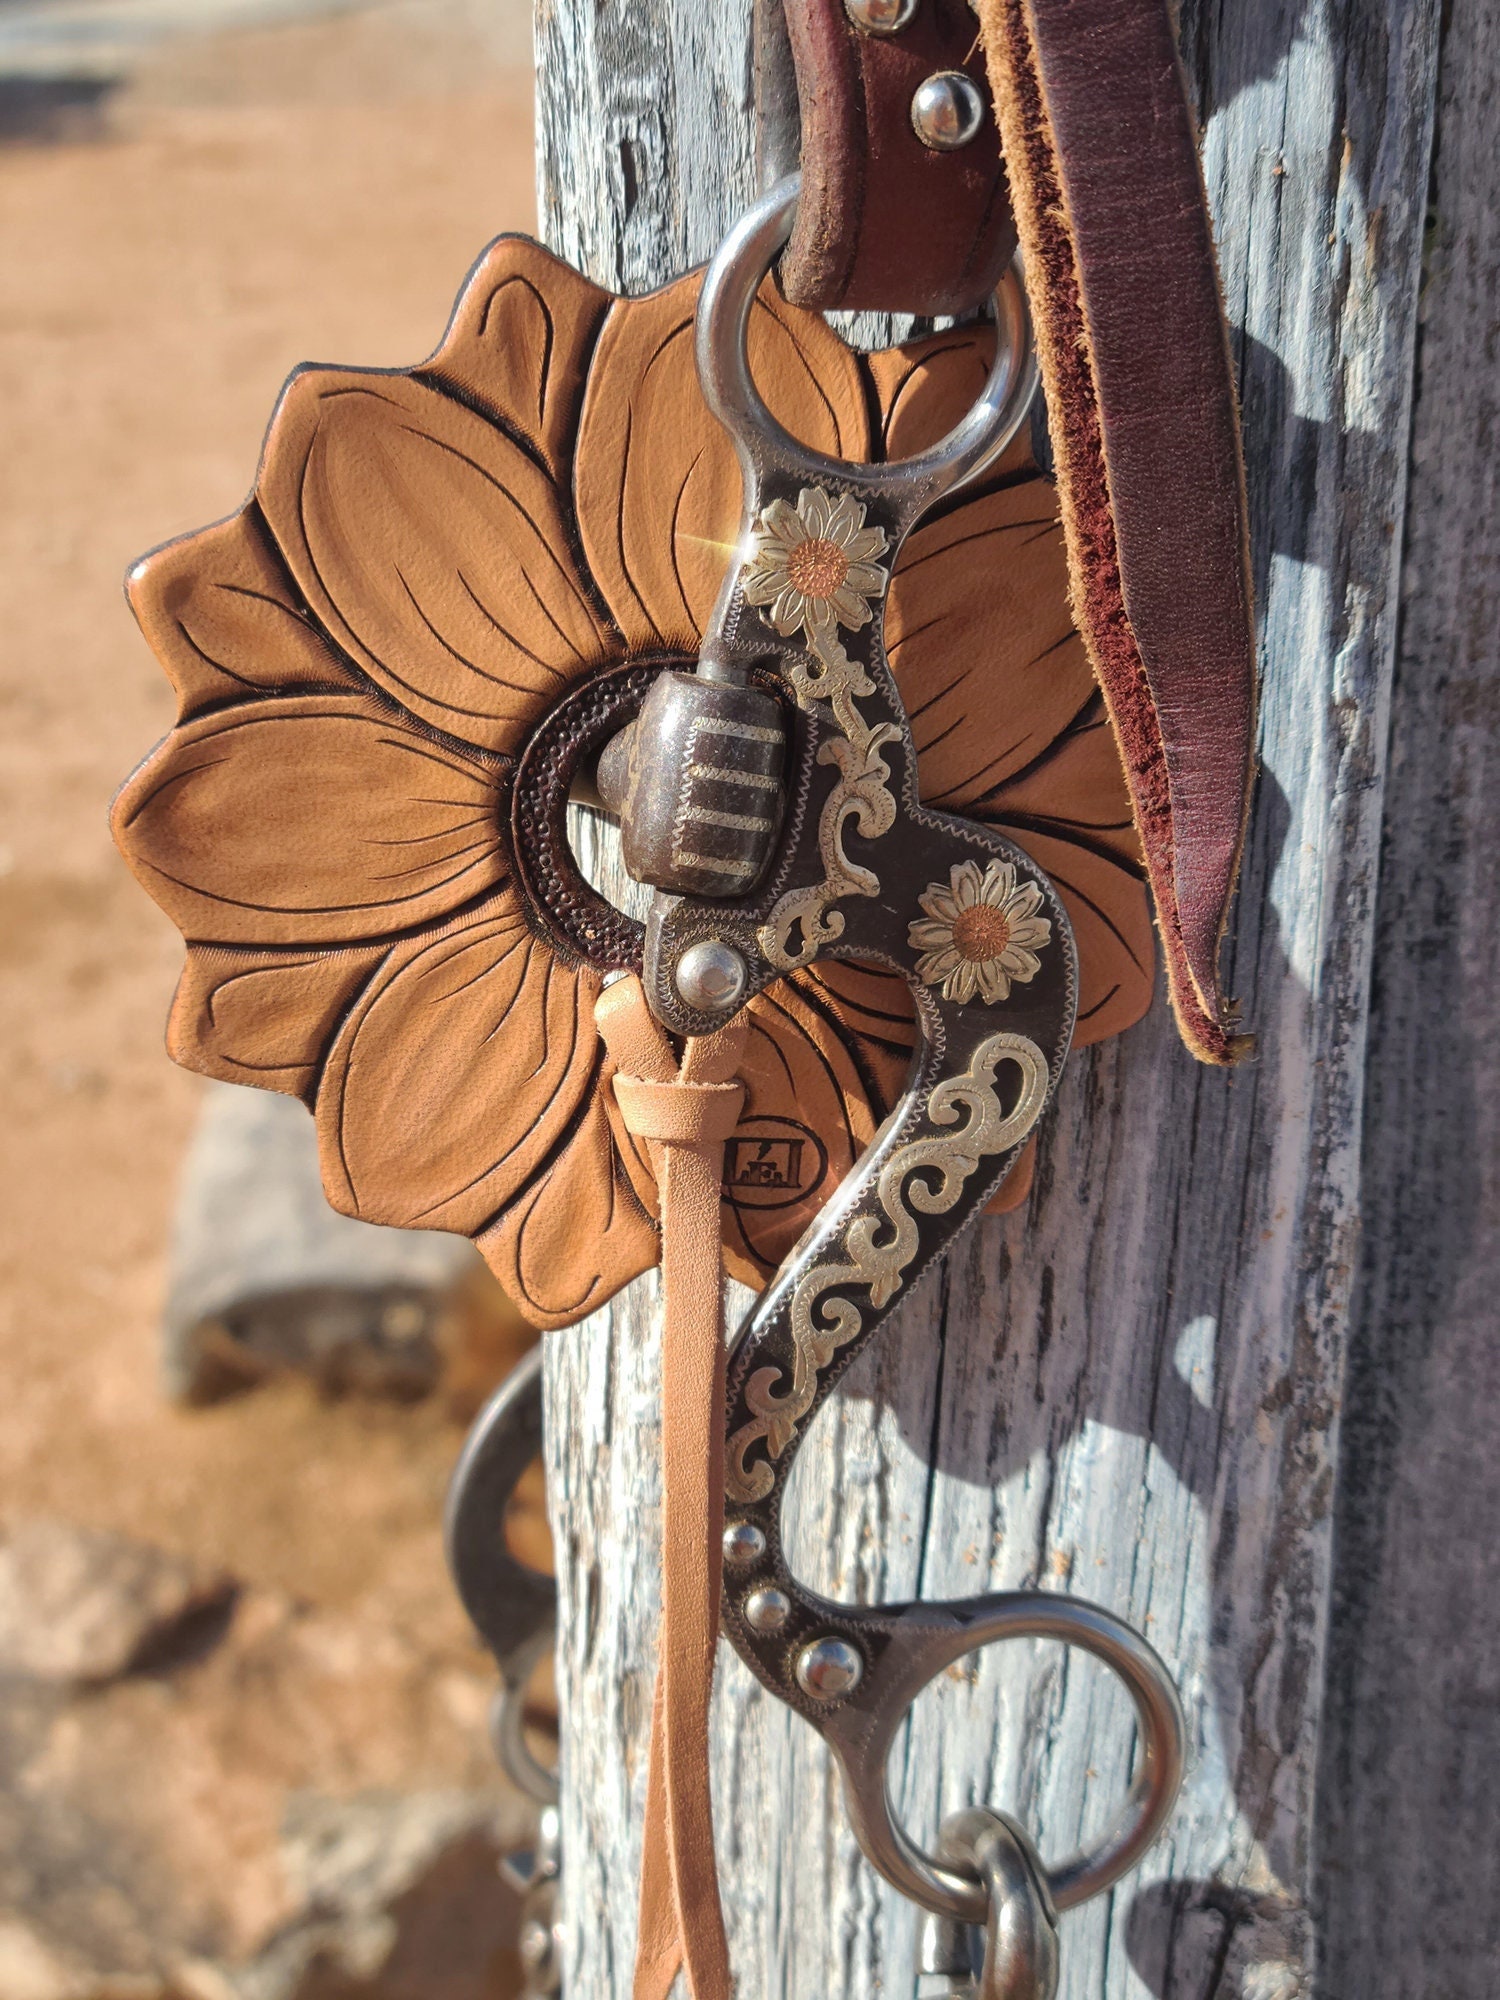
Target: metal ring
(926,1639)
(513,1607)
(516,1757)
(729,290)
(1020,1946)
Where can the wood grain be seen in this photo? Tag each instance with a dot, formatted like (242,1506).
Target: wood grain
(1409,1812)
(1131,1390)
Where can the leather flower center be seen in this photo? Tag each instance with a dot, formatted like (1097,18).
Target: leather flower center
(817,568)
(981,933)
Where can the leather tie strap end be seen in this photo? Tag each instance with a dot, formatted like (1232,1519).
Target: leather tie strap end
(684,1112)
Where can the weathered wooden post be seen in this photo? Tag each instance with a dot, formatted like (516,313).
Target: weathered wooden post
(1408,1810)
(1131,1389)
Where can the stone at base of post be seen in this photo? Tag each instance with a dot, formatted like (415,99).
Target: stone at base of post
(265,1277)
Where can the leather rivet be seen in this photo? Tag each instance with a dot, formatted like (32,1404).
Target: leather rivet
(881,17)
(947,111)
(767,1610)
(829,1669)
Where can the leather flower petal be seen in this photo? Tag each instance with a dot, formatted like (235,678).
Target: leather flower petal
(263,1017)
(1070,812)
(926,387)
(220,613)
(520,341)
(309,820)
(1072,788)
(1111,921)
(433,547)
(577,1234)
(983,648)
(657,485)
(807,1118)
(458,1076)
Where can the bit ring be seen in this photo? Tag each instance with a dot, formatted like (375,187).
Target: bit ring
(729,290)
(926,1639)
(513,1607)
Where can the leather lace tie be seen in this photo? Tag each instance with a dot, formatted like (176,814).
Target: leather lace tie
(684,1113)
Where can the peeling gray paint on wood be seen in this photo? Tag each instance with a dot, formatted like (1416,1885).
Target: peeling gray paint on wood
(1131,1391)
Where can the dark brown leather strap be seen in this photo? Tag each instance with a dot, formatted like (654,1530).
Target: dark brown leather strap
(1109,200)
(886,223)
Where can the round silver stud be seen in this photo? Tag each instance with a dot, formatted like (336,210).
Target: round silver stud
(711,976)
(881,17)
(744,1544)
(767,1610)
(947,111)
(829,1668)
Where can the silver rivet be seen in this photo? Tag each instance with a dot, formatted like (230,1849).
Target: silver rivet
(711,976)
(744,1544)
(767,1610)
(947,111)
(881,17)
(829,1668)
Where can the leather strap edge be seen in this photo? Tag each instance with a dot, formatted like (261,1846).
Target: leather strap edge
(1203,771)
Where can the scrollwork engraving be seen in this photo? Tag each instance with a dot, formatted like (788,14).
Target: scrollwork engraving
(876,1250)
(812,569)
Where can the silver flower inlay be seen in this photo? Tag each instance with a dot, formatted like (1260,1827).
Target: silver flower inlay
(981,933)
(812,567)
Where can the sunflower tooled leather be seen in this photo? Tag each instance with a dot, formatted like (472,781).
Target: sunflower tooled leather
(884,223)
(451,585)
(1112,213)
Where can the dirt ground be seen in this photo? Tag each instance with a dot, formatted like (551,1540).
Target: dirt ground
(240,204)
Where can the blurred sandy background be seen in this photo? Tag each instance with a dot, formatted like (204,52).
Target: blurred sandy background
(241,1749)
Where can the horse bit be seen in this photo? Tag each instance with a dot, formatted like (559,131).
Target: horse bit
(826,760)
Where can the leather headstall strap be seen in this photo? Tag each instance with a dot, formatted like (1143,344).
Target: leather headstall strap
(684,1112)
(1104,179)
(886,222)
(1102,158)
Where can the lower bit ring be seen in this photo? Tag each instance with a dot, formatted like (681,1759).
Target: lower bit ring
(928,1638)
